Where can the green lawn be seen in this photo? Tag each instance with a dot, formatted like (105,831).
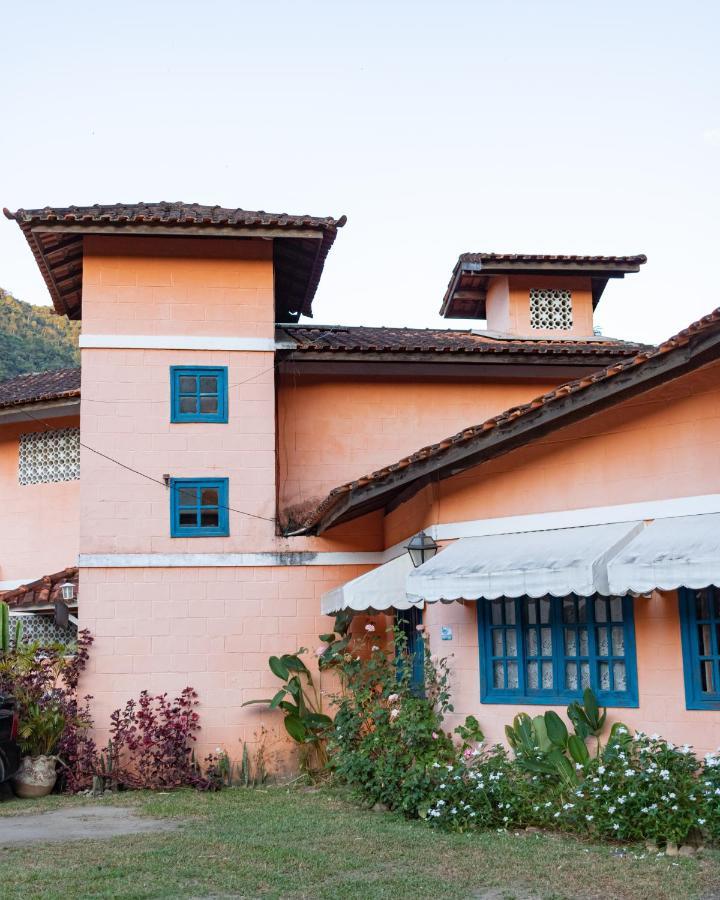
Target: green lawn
(299,843)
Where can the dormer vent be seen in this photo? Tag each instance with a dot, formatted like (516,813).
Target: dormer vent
(551,309)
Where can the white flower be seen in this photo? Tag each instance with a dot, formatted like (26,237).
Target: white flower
(644,809)
(392,698)
(616,826)
(606,787)
(578,766)
(589,818)
(436,765)
(629,773)
(449,768)
(369,627)
(601,770)
(664,773)
(453,811)
(556,816)
(674,807)
(701,821)
(374,648)
(442,787)
(622,799)
(611,809)
(655,737)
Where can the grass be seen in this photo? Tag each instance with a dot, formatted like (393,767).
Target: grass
(295,843)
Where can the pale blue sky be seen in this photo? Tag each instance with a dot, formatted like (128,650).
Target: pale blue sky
(436,127)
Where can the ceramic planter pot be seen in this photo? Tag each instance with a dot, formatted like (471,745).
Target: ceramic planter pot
(36,776)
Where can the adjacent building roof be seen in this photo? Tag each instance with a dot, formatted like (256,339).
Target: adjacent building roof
(43,591)
(40,386)
(55,235)
(333,339)
(466,292)
(688,350)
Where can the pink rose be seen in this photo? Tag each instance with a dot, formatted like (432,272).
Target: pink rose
(369,627)
(393,698)
(394,713)
(435,735)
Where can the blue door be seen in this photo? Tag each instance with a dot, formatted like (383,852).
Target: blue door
(407,620)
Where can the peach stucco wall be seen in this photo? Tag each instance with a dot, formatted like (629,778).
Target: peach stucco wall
(331,431)
(39,522)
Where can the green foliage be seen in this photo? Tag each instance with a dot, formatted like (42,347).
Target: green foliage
(298,698)
(40,728)
(34,338)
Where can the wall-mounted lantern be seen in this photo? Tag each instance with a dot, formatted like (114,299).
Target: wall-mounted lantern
(421,548)
(68,591)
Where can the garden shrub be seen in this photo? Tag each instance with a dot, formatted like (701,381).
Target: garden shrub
(388,744)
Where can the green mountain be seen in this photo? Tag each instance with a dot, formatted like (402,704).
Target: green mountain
(34,338)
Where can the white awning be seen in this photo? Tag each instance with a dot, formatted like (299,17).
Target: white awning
(669,553)
(380,589)
(561,561)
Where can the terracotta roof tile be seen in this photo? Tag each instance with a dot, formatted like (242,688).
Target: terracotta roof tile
(43,591)
(364,339)
(38,386)
(709,324)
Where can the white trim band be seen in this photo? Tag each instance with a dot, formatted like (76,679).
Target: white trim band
(173,342)
(226,560)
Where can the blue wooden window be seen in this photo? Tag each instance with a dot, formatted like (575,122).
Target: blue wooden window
(407,620)
(198,507)
(549,649)
(700,630)
(198,394)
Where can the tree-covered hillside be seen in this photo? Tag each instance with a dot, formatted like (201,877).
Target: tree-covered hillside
(34,338)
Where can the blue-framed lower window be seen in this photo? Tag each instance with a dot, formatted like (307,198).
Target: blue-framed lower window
(198,394)
(407,621)
(199,507)
(700,631)
(549,649)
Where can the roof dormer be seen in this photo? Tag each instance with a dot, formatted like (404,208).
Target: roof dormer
(530,294)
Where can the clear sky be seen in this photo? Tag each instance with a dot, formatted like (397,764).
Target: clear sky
(438,128)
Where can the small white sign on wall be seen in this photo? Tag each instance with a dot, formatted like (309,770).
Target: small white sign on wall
(446,633)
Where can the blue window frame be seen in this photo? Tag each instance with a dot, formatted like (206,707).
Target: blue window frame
(549,649)
(407,620)
(198,394)
(700,631)
(199,507)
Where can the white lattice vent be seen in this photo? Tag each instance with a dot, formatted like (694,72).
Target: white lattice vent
(47,456)
(551,308)
(43,630)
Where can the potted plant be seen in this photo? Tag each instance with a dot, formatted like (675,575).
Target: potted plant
(40,730)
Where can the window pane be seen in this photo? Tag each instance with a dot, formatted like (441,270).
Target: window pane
(208,404)
(584,675)
(600,609)
(702,605)
(498,675)
(545,610)
(618,640)
(704,640)
(547,676)
(188,384)
(546,639)
(582,609)
(188,518)
(616,614)
(707,682)
(583,632)
(511,642)
(208,384)
(619,676)
(531,607)
(604,671)
(532,676)
(512,674)
(209,497)
(187,497)
(510,612)
(188,404)
(571,676)
(532,646)
(569,611)
(603,649)
(496,612)
(209,518)
(570,642)
(497,643)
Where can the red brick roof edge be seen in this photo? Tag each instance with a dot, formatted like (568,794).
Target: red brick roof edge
(35,387)
(43,591)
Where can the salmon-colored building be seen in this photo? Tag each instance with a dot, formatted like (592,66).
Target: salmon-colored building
(569,480)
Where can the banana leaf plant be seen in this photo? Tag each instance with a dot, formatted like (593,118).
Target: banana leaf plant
(298,698)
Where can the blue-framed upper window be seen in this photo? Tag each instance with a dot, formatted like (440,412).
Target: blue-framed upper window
(198,394)
(700,630)
(199,507)
(549,649)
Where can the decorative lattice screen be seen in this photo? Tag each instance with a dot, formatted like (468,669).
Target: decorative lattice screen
(43,629)
(550,308)
(49,456)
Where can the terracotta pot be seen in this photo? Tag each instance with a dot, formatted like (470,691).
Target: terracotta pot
(36,776)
